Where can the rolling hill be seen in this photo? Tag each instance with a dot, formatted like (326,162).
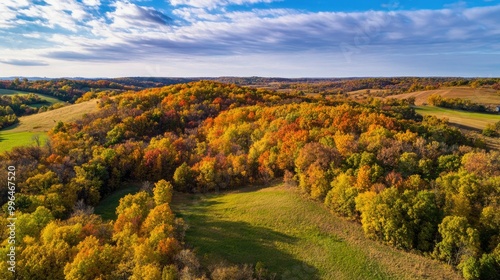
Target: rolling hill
(484,96)
(293,237)
(470,120)
(49,100)
(39,124)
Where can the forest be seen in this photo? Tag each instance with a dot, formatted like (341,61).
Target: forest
(415,183)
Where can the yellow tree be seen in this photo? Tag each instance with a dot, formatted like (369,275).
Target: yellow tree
(44,261)
(93,261)
(346,143)
(162,192)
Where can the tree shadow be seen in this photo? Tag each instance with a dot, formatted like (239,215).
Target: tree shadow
(240,242)
(11,127)
(465,127)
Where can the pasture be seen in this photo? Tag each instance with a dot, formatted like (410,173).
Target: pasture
(49,100)
(9,140)
(39,124)
(295,238)
(486,96)
(470,120)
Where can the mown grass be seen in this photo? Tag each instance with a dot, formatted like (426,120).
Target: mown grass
(49,100)
(472,120)
(294,237)
(107,207)
(21,133)
(43,122)
(9,140)
(487,96)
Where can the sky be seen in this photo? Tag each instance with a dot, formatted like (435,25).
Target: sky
(272,38)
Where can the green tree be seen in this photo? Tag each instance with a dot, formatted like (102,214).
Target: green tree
(341,198)
(408,164)
(459,240)
(406,220)
(162,192)
(32,224)
(45,261)
(184,178)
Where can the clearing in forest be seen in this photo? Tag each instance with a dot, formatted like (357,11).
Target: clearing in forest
(294,237)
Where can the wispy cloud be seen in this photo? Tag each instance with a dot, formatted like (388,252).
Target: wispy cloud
(272,31)
(198,30)
(21,62)
(127,15)
(211,4)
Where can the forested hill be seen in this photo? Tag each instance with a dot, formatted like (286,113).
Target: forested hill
(414,183)
(72,89)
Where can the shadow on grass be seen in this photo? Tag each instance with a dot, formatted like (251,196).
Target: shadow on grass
(107,206)
(243,243)
(8,128)
(465,127)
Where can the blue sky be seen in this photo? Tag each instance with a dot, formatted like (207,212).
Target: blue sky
(287,38)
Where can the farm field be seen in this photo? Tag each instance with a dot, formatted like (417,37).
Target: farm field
(39,124)
(471,120)
(364,93)
(49,99)
(293,237)
(484,96)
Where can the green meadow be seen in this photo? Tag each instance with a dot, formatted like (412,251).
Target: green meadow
(107,206)
(293,237)
(9,140)
(39,124)
(49,100)
(473,120)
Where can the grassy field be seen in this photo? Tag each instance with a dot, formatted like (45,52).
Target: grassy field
(478,95)
(38,124)
(47,98)
(294,237)
(471,120)
(10,140)
(362,93)
(107,206)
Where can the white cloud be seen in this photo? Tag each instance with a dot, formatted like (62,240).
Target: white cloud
(270,39)
(24,62)
(92,3)
(211,4)
(66,14)
(127,16)
(9,14)
(136,29)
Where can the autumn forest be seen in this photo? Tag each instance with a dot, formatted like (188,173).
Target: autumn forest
(413,182)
